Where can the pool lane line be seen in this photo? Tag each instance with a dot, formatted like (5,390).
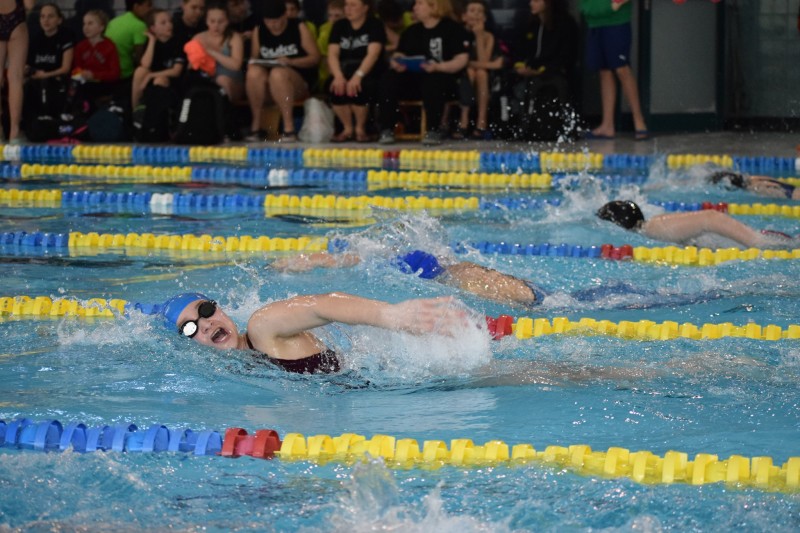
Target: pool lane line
(641,466)
(77,243)
(285,203)
(643,330)
(25,306)
(370,157)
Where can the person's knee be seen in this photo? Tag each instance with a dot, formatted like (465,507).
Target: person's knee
(255,75)
(280,77)
(623,72)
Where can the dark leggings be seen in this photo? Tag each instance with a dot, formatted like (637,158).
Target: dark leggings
(435,90)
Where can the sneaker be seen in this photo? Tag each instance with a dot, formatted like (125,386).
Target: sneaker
(258,136)
(432,138)
(288,138)
(387,137)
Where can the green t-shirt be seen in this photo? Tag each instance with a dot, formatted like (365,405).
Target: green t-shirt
(598,13)
(126,31)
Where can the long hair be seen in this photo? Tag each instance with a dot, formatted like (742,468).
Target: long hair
(224,8)
(55,7)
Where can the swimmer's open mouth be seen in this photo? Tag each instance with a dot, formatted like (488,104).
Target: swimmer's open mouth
(220,335)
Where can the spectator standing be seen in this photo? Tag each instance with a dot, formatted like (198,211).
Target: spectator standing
(283,67)
(13,54)
(128,33)
(442,44)
(608,48)
(355,54)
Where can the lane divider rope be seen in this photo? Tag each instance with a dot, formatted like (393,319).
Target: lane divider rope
(502,326)
(92,242)
(469,160)
(527,328)
(56,197)
(616,462)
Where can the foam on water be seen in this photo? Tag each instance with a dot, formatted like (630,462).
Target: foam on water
(372,502)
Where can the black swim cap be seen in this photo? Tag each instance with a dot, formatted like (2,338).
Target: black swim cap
(729,179)
(622,213)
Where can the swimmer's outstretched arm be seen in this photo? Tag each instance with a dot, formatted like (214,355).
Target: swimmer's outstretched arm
(680,227)
(490,284)
(284,321)
(305,262)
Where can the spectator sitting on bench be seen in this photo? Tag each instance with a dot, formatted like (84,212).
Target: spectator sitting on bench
(96,62)
(395,21)
(484,58)
(189,21)
(441,45)
(226,47)
(50,54)
(283,66)
(163,61)
(128,33)
(335,14)
(355,52)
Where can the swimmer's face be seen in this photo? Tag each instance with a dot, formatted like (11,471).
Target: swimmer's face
(217,331)
(193,11)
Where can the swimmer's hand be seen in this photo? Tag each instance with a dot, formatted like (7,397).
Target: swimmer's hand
(442,316)
(306,262)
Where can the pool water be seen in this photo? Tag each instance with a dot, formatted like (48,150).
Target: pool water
(731,396)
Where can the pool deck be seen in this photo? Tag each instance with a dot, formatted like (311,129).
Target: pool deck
(722,143)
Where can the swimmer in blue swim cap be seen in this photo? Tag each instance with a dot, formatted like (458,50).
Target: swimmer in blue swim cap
(760,185)
(470,277)
(684,227)
(281,331)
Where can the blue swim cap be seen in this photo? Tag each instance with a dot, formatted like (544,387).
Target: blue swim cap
(419,261)
(173,307)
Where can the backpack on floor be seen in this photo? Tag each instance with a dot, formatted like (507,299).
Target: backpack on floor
(151,120)
(107,124)
(202,116)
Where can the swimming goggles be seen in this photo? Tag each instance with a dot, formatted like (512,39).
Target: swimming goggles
(205,310)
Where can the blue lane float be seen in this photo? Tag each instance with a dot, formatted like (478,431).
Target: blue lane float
(52,436)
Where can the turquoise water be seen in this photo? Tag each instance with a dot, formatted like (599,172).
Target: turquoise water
(728,396)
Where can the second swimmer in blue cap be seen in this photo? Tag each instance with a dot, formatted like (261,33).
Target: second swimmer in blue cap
(281,331)
(479,280)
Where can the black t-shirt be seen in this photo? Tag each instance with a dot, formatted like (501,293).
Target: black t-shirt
(287,44)
(166,55)
(353,43)
(46,53)
(441,43)
(182,33)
